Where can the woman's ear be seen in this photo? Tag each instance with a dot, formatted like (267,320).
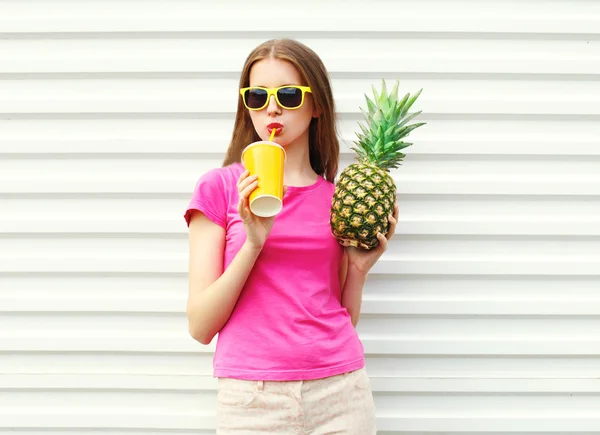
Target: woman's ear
(316,112)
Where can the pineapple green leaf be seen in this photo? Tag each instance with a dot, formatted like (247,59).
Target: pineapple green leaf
(387,123)
(410,102)
(375,94)
(383,88)
(364,129)
(402,102)
(394,93)
(408,118)
(395,113)
(380,131)
(409,128)
(371,105)
(366,115)
(378,145)
(383,97)
(390,114)
(390,131)
(358,151)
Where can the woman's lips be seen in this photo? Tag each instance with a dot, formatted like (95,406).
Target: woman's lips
(275,126)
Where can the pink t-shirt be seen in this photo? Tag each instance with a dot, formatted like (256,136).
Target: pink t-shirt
(288,323)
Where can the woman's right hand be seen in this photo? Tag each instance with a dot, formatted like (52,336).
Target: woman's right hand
(257,228)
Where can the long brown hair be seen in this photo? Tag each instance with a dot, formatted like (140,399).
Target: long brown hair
(324,146)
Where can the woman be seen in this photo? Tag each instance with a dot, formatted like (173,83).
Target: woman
(282,293)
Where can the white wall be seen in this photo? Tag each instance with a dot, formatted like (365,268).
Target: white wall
(483,315)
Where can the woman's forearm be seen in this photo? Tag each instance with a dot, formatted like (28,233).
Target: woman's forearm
(209,308)
(352,292)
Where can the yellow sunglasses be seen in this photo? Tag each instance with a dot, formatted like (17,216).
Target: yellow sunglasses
(288,97)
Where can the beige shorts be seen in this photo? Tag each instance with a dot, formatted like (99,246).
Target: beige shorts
(341,404)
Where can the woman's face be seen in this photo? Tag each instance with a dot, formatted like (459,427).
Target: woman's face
(291,125)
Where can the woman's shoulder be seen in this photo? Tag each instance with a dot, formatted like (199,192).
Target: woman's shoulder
(328,187)
(328,184)
(224,176)
(232,172)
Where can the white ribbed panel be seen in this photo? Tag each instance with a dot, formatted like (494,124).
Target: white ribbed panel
(483,316)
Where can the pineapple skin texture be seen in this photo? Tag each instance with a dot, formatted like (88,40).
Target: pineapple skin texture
(364,197)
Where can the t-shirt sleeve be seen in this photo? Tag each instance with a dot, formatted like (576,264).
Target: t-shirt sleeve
(210,198)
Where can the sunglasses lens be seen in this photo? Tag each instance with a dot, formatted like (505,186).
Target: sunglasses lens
(255,98)
(290,97)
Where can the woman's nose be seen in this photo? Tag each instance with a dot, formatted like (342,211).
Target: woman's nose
(273,107)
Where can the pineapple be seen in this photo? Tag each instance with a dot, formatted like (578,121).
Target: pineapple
(365,193)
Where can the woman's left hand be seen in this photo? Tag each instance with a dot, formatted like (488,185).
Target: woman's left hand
(361,260)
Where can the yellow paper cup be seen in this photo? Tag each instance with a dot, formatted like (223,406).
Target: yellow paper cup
(265,159)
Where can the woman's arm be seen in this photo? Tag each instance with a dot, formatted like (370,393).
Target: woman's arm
(356,265)
(352,281)
(212,292)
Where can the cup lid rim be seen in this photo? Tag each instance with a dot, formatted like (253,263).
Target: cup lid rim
(263,142)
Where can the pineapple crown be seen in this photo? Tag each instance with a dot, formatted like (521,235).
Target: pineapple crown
(380,143)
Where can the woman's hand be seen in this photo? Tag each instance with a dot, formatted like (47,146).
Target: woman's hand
(362,261)
(257,228)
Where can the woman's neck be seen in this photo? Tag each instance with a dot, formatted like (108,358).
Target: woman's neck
(298,171)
